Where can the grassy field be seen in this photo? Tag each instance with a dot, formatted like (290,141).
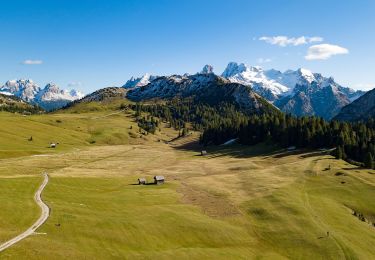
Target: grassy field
(237,202)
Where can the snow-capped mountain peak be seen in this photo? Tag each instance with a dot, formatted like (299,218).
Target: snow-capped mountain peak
(76,93)
(257,78)
(306,74)
(294,91)
(139,82)
(52,92)
(50,97)
(234,68)
(25,89)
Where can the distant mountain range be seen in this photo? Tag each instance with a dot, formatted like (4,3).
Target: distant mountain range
(202,87)
(49,98)
(299,92)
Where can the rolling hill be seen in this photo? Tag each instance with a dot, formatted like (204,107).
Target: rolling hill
(235,202)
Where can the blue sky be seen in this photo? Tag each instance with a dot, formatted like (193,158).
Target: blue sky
(94,44)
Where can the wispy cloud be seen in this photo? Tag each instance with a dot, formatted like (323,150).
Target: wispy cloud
(74,84)
(32,62)
(263,60)
(324,51)
(365,86)
(284,41)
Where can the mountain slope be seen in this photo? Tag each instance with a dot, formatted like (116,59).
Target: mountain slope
(11,103)
(256,78)
(361,109)
(299,92)
(101,99)
(202,87)
(103,94)
(50,97)
(139,82)
(24,89)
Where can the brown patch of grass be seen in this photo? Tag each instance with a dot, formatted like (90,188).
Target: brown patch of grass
(213,205)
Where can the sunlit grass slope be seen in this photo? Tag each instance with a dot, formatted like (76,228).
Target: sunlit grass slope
(235,203)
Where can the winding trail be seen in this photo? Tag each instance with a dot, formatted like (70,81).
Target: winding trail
(43,217)
(111,114)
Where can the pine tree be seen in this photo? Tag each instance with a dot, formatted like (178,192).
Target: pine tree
(339,153)
(369,161)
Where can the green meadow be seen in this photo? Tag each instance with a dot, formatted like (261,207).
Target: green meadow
(235,203)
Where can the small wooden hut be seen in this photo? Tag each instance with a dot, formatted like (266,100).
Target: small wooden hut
(142,181)
(159,180)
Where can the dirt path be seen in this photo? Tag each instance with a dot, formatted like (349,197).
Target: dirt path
(43,217)
(111,114)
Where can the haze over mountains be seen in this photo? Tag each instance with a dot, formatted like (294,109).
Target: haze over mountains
(49,98)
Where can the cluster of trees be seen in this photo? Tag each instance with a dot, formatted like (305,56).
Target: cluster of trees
(180,113)
(354,142)
(148,122)
(15,108)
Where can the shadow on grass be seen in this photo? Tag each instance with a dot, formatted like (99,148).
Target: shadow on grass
(355,168)
(234,150)
(146,184)
(246,151)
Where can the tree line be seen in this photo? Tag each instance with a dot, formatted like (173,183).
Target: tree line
(353,142)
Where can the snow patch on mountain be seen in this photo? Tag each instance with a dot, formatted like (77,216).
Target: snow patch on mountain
(257,78)
(25,89)
(139,82)
(49,97)
(52,92)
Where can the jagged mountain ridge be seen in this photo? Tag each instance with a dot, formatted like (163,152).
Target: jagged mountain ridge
(299,92)
(50,97)
(202,87)
(139,82)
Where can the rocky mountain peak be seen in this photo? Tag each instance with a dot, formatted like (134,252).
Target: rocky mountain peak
(234,68)
(139,82)
(207,69)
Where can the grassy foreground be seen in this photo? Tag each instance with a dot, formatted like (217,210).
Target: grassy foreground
(237,202)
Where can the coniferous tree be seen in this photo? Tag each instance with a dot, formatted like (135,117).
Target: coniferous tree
(369,161)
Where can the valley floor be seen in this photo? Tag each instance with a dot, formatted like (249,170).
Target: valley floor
(236,202)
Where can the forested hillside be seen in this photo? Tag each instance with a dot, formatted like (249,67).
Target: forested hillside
(14,104)
(353,142)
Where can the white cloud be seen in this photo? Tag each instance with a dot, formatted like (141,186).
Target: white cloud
(324,51)
(32,62)
(284,41)
(74,84)
(365,86)
(263,60)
